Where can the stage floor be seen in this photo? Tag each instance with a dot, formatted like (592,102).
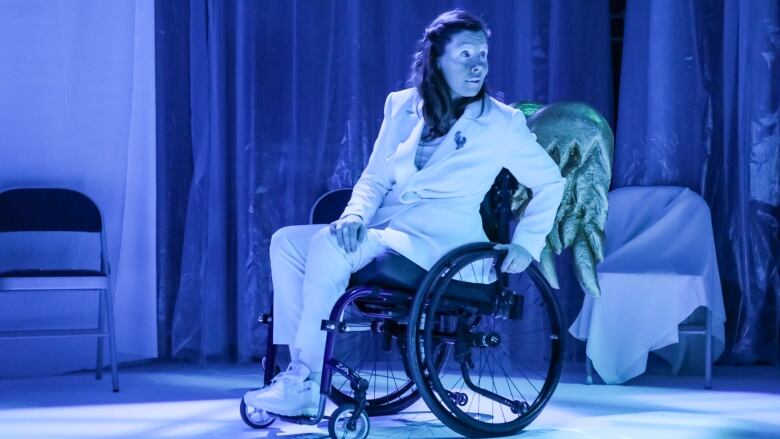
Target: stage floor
(186,401)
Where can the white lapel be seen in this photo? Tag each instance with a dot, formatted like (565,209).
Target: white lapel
(404,154)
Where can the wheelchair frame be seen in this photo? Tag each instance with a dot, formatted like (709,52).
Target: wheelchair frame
(507,305)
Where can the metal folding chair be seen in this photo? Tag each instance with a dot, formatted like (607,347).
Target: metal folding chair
(60,210)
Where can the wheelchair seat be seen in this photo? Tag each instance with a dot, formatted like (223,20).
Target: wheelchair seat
(393,271)
(390,270)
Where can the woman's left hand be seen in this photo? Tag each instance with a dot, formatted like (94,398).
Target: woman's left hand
(517,258)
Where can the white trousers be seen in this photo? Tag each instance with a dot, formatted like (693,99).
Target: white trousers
(310,271)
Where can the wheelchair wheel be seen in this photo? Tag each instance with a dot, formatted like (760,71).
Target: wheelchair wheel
(373,347)
(505,339)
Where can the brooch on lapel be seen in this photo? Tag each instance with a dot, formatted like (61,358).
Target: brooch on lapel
(460,141)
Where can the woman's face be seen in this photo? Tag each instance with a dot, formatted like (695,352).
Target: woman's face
(464,63)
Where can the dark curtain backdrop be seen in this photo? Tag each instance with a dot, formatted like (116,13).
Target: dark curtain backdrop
(263,106)
(700,107)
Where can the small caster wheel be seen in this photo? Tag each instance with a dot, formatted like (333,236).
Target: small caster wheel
(339,426)
(254,417)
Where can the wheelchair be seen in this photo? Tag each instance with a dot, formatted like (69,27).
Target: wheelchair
(482,348)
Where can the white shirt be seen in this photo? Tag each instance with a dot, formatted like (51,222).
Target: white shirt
(425,151)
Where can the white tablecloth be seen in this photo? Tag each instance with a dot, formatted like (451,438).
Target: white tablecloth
(659,267)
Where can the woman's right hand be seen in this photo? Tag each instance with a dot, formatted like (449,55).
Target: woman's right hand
(349,232)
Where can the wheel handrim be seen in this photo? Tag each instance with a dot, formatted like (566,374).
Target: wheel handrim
(465,422)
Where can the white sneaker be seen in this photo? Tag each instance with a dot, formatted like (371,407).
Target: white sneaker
(253,393)
(290,393)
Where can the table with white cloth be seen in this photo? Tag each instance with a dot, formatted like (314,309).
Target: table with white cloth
(659,267)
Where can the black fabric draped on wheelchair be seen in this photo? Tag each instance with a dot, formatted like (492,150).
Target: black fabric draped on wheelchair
(482,348)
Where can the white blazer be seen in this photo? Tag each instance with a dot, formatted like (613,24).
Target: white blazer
(428,212)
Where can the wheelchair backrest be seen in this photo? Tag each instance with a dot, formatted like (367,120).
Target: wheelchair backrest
(495,208)
(329,206)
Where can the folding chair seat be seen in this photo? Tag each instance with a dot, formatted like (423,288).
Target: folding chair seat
(19,280)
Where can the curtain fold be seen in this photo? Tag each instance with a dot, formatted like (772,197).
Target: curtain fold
(174,156)
(700,107)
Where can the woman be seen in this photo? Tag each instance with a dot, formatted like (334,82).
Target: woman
(439,149)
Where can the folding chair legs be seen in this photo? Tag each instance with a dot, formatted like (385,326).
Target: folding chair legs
(106,319)
(101,328)
(708,359)
(588,370)
(112,340)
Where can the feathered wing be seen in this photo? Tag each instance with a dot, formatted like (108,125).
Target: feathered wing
(580,140)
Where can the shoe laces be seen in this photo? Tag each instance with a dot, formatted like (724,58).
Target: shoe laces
(293,375)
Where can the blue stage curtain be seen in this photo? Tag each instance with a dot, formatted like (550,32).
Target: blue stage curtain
(700,107)
(263,106)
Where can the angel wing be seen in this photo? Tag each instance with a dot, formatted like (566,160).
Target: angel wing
(580,140)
